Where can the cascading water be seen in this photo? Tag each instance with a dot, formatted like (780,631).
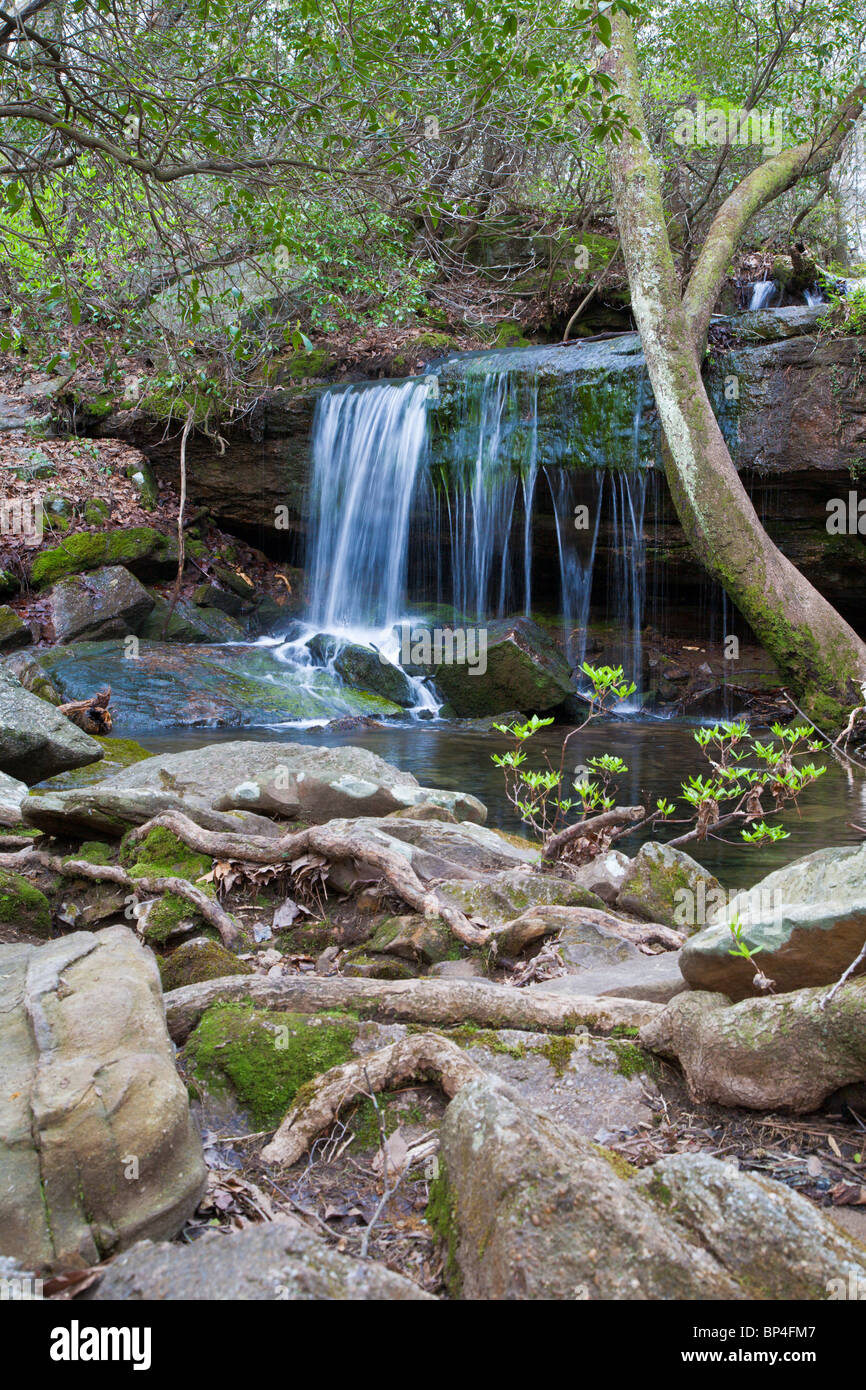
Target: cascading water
(369,447)
(762,293)
(398,499)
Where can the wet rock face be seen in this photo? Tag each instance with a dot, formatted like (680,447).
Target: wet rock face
(35,741)
(528,1208)
(808,920)
(97,1147)
(521,666)
(107,602)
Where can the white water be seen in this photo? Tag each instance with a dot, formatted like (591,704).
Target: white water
(762,293)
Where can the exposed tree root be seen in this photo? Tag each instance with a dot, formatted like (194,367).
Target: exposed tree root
(541,921)
(425,1057)
(590,830)
(441,1003)
(207,907)
(335,840)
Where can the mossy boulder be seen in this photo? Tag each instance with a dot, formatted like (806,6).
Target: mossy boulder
(141,476)
(362,669)
(169,915)
(23,906)
(521,668)
(665,885)
(14,632)
(10,584)
(119,754)
(263,1057)
(146,553)
(510,335)
(198,960)
(416,938)
(108,602)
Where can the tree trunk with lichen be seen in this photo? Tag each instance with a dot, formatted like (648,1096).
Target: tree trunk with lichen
(816,651)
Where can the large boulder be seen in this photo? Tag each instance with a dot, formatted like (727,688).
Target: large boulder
(808,921)
(504,895)
(36,741)
(662,884)
(97,1147)
(289,780)
(107,602)
(787,1052)
(278,1260)
(524,670)
(190,685)
(364,669)
(189,623)
(530,1209)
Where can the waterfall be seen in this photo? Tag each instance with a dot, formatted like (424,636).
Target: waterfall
(369,446)
(762,293)
(407,508)
(814,297)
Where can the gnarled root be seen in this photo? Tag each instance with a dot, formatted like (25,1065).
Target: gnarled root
(335,840)
(425,1057)
(207,907)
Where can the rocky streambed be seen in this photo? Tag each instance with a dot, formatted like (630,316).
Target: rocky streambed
(279,1021)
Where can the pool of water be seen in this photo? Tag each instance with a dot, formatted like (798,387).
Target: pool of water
(659,755)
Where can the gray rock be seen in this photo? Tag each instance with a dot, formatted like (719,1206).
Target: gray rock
(97,1148)
(593,1085)
(35,741)
(604,875)
(12,794)
(656,978)
(105,810)
(505,895)
(457,970)
(289,779)
(665,885)
(808,920)
(189,623)
(279,1260)
(778,1244)
(107,602)
(530,1209)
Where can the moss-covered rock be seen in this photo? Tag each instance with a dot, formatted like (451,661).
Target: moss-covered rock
(197,960)
(14,632)
(162,855)
(23,906)
(146,553)
(424,940)
(361,965)
(665,885)
(263,1057)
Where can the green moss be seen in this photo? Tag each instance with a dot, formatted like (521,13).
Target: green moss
(469,1035)
(96,512)
(306,366)
(631,1060)
(92,851)
(441,1217)
(88,551)
(265,1057)
(620,1165)
(558,1051)
(23,906)
(165,917)
(659,1192)
(162,855)
(198,960)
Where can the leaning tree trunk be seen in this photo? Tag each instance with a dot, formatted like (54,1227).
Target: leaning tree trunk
(816,651)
